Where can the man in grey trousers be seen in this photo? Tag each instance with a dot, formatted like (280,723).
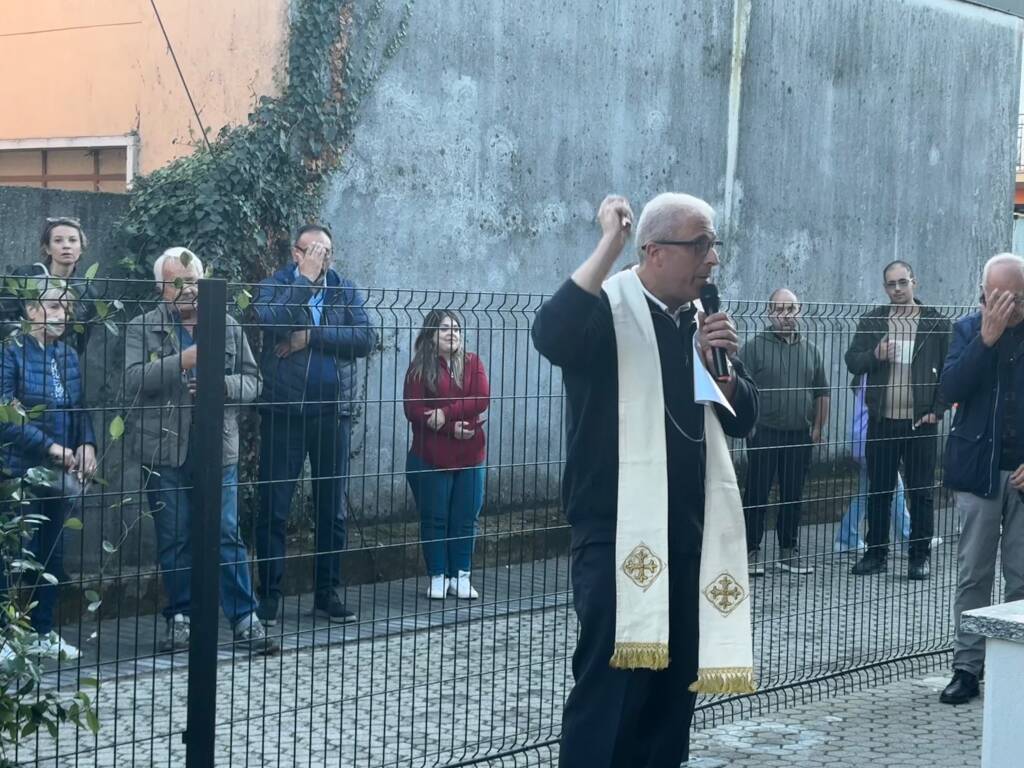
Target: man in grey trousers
(984,376)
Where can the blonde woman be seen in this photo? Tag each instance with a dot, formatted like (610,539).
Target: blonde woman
(446,394)
(39,370)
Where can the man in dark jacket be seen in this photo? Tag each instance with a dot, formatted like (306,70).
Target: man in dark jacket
(984,464)
(626,717)
(314,329)
(901,348)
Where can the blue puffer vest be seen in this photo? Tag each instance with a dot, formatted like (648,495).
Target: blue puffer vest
(47,376)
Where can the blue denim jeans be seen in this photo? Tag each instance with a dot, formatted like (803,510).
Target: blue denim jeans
(170,491)
(449,501)
(849,537)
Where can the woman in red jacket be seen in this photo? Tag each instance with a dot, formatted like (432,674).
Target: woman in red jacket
(446,392)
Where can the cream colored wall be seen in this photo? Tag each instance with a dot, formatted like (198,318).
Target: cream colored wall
(75,68)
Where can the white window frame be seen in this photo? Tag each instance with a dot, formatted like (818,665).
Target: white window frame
(130,142)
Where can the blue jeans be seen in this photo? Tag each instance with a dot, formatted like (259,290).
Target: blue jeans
(449,501)
(848,536)
(170,492)
(286,438)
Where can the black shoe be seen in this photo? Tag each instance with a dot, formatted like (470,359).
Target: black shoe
(918,569)
(872,562)
(269,610)
(961,689)
(329,604)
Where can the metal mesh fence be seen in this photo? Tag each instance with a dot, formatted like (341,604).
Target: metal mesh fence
(326,527)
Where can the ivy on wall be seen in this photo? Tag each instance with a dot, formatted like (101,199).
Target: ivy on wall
(235,203)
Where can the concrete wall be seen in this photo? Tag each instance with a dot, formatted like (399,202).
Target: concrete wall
(837,135)
(23,214)
(832,136)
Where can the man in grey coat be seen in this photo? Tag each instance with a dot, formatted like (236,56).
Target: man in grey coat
(160,366)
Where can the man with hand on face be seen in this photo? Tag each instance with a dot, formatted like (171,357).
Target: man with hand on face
(984,464)
(901,348)
(645,459)
(314,329)
(160,367)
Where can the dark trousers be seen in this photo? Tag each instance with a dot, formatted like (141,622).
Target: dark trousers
(775,453)
(616,718)
(889,442)
(47,548)
(285,441)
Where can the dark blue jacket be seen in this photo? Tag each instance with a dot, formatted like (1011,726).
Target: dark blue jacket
(970,378)
(324,373)
(50,377)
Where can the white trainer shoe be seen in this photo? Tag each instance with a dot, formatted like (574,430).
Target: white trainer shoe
(461,588)
(437,588)
(60,647)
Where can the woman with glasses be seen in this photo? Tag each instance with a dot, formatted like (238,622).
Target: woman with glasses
(61,244)
(446,394)
(53,451)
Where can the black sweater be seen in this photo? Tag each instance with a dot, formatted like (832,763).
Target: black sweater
(574,330)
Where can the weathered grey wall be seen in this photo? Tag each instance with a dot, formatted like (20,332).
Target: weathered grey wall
(23,213)
(833,136)
(873,131)
(866,130)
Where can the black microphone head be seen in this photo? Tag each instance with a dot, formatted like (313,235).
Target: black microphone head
(709,298)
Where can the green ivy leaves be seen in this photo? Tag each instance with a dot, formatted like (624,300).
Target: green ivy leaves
(232,202)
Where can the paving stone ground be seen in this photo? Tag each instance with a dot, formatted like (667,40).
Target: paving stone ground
(418,683)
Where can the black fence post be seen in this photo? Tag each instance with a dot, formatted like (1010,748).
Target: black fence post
(207,442)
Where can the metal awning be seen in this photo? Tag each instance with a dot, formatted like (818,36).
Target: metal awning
(1013,7)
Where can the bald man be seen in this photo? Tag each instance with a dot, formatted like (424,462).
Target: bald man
(984,464)
(790,375)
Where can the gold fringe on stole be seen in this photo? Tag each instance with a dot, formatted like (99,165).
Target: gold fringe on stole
(640,656)
(724,680)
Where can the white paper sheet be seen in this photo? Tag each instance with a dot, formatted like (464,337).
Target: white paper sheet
(705,388)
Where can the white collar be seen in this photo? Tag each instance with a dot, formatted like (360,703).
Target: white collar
(664,307)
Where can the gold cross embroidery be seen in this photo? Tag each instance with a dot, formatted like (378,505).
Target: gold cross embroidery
(725,593)
(642,566)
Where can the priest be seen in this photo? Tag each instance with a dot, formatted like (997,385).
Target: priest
(659,571)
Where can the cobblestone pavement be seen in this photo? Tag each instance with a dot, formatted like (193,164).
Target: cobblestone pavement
(899,725)
(418,683)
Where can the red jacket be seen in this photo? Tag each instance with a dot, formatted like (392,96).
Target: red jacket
(441,449)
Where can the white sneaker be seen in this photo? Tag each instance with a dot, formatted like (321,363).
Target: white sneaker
(61,648)
(7,653)
(438,585)
(461,588)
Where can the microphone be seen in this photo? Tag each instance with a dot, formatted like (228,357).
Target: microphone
(709,300)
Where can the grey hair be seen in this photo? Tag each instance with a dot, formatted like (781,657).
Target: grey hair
(1001,258)
(183,256)
(660,216)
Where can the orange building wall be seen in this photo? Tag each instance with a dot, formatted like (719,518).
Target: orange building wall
(73,68)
